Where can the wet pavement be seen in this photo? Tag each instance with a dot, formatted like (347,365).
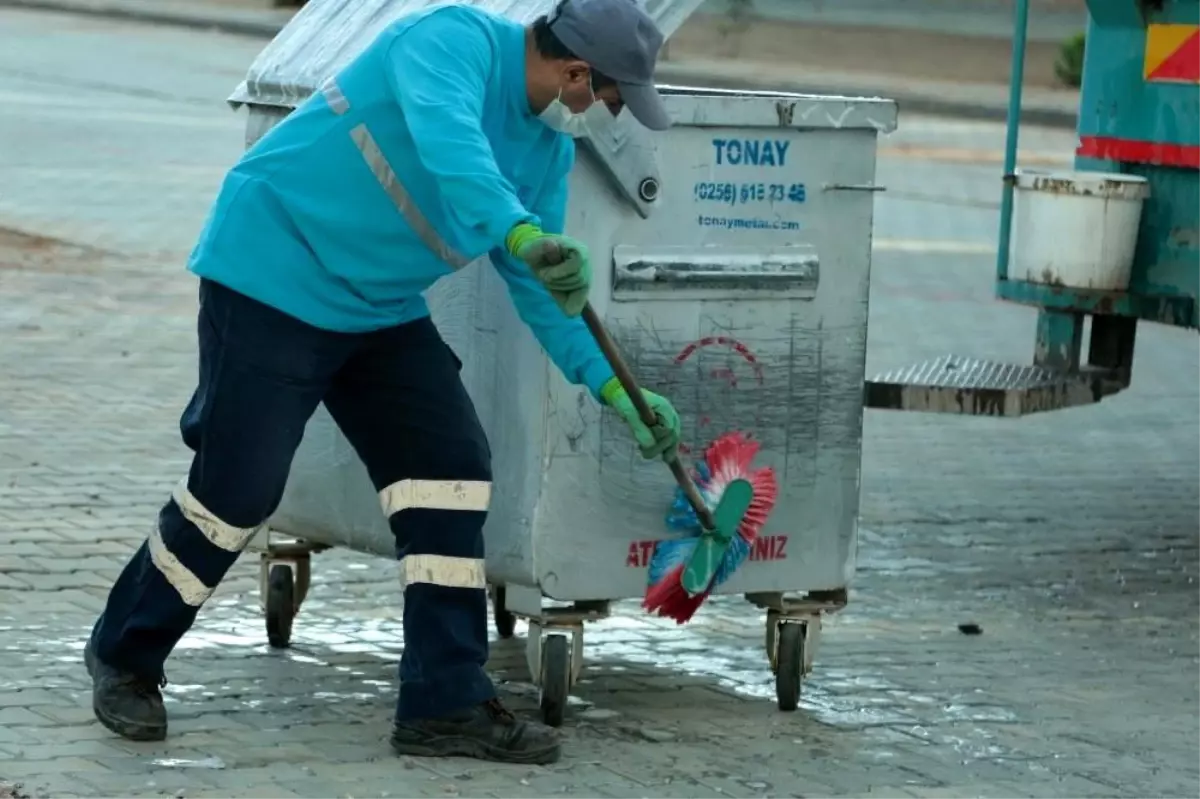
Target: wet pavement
(1070,539)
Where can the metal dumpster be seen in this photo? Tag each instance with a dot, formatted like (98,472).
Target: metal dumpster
(732,266)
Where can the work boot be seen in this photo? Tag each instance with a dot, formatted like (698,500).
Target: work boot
(129,705)
(486,732)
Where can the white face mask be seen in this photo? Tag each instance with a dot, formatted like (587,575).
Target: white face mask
(562,119)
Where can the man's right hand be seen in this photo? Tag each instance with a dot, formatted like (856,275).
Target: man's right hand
(660,439)
(559,262)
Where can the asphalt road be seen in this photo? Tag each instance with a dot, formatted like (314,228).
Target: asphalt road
(1070,538)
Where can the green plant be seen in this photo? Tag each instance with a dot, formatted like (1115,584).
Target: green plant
(1069,66)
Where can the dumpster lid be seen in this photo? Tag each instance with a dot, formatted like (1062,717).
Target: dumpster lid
(325,35)
(745,108)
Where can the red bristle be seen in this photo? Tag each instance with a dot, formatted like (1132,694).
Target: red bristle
(683,607)
(668,599)
(729,457)
(766,490)
(662,592)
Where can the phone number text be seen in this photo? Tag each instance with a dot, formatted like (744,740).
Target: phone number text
(746,193)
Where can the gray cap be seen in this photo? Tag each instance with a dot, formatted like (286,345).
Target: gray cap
(620,40)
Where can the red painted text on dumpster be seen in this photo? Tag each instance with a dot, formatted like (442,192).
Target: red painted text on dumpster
(724,373)
(765,547)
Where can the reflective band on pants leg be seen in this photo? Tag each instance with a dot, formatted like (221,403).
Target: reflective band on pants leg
(220,534)
(387,178)
(436,495)
(442,570)
(190,589)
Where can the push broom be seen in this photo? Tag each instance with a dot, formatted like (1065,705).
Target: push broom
(684,571)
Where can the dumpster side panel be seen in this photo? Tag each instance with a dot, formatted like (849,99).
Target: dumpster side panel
(784,364)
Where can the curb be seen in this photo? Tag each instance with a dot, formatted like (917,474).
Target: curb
(917,102)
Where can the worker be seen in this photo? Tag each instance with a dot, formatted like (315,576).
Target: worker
(447,139)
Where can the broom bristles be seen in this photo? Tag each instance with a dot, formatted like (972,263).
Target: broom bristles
(728,458)
(667,598)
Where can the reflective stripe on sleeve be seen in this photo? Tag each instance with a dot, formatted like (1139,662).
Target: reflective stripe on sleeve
(442,570)
(386,176)
(436,495)
(403,201)
(220,534)
(338,103)
(191,590)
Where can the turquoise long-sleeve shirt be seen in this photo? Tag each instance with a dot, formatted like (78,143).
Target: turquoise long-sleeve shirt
(418,158)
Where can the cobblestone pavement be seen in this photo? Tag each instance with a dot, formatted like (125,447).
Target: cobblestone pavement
(1071,539)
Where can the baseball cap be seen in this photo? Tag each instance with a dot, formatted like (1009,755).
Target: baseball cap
(619,39)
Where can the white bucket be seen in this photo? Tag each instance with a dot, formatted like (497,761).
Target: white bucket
(1076,229)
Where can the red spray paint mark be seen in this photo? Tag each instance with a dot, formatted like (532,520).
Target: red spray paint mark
(721,373)
(764,548)
(723,341)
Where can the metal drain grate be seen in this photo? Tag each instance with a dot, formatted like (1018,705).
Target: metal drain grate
(974,387)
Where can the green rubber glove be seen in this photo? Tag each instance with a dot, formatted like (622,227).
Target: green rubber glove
(659,439)
(560,262)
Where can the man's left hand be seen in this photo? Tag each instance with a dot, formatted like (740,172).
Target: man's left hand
(559,262)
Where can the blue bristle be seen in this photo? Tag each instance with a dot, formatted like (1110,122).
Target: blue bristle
(668,555)
(737,553)
(680,516)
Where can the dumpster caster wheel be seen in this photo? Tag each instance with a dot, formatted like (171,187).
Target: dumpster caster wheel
(556,678)
(281,606)
(506,623)
(789,666)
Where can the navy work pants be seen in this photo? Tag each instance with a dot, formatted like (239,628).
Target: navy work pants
(397,396)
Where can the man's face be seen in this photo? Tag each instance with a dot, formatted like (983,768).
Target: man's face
(577,92)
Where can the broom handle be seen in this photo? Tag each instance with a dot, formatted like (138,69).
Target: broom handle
(629,383)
